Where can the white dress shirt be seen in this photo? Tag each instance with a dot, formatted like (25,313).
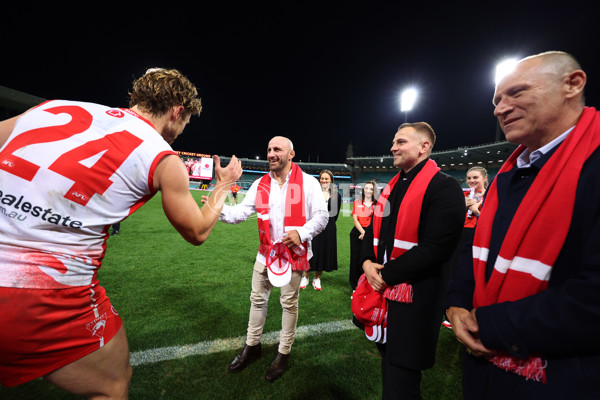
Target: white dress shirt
(315,206)
(525,159)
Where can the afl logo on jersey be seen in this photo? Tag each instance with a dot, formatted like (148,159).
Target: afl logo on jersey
(115,113)
(79,195)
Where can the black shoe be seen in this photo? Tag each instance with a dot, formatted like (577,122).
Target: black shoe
(114,233)
(277,367)
(248,355)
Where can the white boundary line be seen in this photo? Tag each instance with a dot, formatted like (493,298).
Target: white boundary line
(218,345)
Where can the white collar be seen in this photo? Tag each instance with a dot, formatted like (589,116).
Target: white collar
(525,159)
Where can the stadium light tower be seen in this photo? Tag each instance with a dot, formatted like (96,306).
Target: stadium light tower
(407,101)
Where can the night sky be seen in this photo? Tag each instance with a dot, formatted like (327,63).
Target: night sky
(324,76)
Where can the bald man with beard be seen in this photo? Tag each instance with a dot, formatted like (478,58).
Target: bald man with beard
(291,210)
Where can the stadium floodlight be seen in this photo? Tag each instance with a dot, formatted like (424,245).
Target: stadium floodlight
(504,68)
(408,99)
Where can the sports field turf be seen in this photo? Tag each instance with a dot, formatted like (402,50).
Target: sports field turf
(185,310)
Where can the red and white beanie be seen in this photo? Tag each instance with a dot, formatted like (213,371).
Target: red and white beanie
(370,309)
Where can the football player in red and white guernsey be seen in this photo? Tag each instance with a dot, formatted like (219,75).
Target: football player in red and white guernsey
(68,171)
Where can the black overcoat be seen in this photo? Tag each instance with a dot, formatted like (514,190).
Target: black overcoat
(413,329)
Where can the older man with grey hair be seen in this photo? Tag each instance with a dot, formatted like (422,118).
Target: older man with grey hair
(525,301)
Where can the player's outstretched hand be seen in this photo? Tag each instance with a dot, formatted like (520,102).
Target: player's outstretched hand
(230,173)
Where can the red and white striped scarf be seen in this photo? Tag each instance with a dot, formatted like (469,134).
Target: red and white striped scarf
(523,267)
(295,214)
(406,234)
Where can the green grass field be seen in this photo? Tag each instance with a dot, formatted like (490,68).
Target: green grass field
(170,293)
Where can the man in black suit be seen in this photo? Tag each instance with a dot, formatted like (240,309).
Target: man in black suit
(430,204)
(525,301)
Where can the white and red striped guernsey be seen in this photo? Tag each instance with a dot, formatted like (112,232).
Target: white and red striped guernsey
(67,172)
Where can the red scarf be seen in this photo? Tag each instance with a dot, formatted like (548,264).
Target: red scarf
(295,214)
(523,267)
(406,234)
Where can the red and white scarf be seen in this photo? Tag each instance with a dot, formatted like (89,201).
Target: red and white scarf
(523,267)
(295,214)
(406,234)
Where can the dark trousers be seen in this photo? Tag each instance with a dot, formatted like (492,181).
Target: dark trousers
(399,383)
(355,268)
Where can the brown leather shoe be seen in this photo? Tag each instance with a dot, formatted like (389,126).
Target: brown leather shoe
(248,355)
(277,367)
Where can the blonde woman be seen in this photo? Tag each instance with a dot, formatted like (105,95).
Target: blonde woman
(477,180)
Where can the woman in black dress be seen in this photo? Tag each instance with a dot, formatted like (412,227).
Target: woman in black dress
(324,245)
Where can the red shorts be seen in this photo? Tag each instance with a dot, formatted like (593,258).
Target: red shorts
(45,329)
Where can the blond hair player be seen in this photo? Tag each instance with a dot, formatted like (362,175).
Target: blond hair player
(68,171)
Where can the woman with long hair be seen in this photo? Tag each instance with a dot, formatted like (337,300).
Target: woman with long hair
(324,245)
(477,180)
